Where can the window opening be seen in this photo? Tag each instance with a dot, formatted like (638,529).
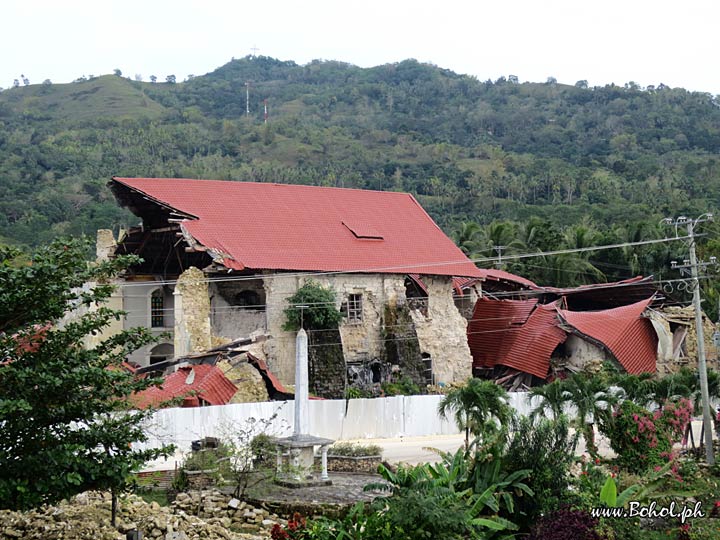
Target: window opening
(157,309)
(354,308)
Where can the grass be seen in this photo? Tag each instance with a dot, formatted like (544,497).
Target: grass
(100,97)
(154,495)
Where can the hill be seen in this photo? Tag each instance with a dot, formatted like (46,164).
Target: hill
(611,159)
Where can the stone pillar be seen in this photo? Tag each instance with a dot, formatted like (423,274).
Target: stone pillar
(323,457)
(443,333)
(192,313)
(104,245)
(302,419)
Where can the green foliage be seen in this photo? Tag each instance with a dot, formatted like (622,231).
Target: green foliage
(588,394)
(215,460)
(640,438)
(65,426)
(538,158)
(479,407)
(354,449)
(546,449)
(314,306)
(353,392)
(404,387)
(263,449)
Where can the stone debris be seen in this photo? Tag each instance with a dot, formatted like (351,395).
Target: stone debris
(199,515)
(216,507)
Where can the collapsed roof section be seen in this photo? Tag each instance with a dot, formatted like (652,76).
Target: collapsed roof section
(201,384)
(520,334)
(262,226)
(624,331)
(523,334)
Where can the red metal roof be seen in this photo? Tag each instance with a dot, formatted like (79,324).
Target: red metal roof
(493,274)
(309,228)
(209,384)
(520,334)
(628,335)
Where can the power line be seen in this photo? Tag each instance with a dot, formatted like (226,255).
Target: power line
(399,269)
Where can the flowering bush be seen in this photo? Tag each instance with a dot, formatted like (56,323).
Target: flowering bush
(677,416)
(640,438)
(296,529)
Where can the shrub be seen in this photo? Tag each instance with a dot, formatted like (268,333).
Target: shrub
(546,449)
(404,387)
(263,450)
(354,450)
(566,524)
(320,313)
(640,438)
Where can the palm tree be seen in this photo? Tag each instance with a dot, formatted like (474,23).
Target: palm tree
(592,399)
(640,389)
(478,406)
(467,237)
(500,237)
(552,396)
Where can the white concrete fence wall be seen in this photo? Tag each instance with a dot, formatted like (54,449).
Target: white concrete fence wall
(391,417)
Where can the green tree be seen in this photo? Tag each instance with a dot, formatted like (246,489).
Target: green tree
(551,396)
(592,398)
(477,406)
(65,423)
(312,307)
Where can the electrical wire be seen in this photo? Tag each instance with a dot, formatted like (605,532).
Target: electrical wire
(399,269)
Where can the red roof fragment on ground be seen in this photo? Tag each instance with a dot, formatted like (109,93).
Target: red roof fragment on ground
(209,385)
(628,335)
(308,228)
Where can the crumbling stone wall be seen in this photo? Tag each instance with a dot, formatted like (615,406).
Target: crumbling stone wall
(582,355)
(280,349)
(402,347)
(229,318)
(248,381)
(192,313)
(360,342)
(685,317)
(326,364)
(443,332)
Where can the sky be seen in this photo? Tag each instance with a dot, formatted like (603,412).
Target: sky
(645,41)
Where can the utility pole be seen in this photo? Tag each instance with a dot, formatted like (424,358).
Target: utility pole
(693,265)
(499,262)
(247,98)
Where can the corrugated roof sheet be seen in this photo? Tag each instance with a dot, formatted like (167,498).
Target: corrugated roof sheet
(493,274)
(208,382)
(628,335)
(516,333)
(292,227)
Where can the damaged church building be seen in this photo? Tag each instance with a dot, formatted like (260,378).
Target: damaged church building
(525,337)
(221,259)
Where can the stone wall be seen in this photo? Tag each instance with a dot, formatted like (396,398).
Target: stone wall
(360,342)
(443,332)
(237,308)
(326,364)
(581,355)
(136,303)
(192,313)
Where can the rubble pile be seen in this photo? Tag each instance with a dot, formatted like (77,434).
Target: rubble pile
(216,507)
(87,517)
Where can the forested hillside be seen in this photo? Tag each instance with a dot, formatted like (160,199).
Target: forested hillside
(526,166)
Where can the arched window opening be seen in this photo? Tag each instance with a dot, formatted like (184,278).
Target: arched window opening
(161,352)
(249,300)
